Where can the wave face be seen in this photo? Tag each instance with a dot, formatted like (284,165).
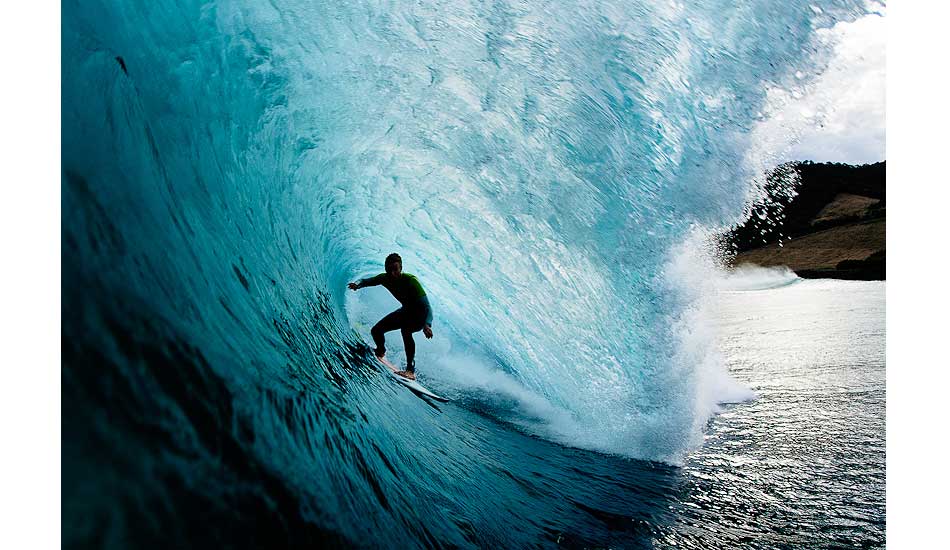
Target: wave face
(541,167)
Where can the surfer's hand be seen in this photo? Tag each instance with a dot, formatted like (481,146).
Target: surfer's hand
(353,286)
(427,330)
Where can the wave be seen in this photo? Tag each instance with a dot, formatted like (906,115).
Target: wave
(228,168)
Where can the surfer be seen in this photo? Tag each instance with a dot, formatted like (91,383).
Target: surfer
(414,315)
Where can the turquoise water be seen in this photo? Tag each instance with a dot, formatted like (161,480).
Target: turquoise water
(550,171)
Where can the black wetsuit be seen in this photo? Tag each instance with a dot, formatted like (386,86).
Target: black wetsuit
(411,317)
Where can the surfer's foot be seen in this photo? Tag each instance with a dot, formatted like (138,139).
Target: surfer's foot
(407,374)
(380,353)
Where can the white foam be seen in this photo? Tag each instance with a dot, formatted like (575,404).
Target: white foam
(753,277)
(695,272)
(479,380)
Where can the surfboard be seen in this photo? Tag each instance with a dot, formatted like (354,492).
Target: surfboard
(411,384)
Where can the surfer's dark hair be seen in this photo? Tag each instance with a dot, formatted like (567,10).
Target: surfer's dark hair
(392,258)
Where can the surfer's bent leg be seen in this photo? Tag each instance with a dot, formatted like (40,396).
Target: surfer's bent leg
(386,324)
(413,321)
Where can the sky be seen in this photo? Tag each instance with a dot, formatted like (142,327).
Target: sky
(840,115)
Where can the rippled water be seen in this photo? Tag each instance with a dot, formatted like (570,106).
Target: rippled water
(803,465)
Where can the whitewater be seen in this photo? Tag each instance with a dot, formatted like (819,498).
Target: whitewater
(554,173)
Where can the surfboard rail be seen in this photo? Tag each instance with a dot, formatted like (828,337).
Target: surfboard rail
(411,384)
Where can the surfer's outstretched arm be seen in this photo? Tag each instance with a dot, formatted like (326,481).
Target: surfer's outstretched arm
(372,281)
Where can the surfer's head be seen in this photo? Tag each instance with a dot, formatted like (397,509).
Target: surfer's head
(394,265)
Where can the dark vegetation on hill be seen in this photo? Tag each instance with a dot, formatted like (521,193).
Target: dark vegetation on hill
(822,220)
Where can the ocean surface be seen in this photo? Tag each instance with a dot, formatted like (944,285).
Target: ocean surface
(554,173)
(803,464)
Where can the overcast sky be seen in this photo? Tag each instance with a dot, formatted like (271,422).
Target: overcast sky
(840,116)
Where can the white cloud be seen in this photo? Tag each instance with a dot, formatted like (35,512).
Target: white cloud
(840,116)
